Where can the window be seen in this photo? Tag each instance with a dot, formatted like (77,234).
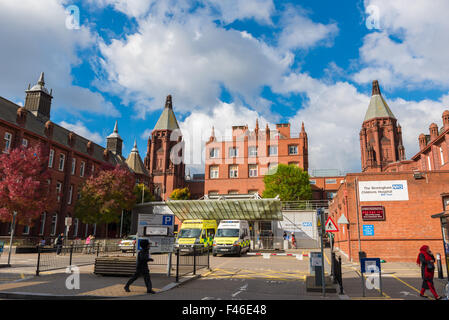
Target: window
(272,167)
(442,156)
(42,226)
(50,158)
(25,143)
(95,229)
(61,162)
(428,161)
(233,171)
(54,220)
(70,195)
(8,138)
(213,172)
(253,172)
(252,151)
(75,227)
(233,152)
(82,167)
(58,190)
(331,181)
(293,149)
(233,192)
(312,181)
(213,153)
(26,229)
(272,150)
(73,166)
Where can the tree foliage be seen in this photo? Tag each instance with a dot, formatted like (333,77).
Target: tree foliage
(24,184)
(290,182)
(180,194)
(104,196)
(147,195)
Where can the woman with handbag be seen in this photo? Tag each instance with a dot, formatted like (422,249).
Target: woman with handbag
(427,262)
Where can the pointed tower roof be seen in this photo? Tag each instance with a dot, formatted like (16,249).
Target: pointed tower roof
(377,108)
(40,85)
(134,161)
(115,134)
(167,120)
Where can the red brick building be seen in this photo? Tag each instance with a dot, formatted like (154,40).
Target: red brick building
(379,223)
(238,165)
(72,159)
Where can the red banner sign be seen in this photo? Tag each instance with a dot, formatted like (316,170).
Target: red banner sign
(373,213)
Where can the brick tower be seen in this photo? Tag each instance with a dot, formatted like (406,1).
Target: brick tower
(164,159)
(381,136)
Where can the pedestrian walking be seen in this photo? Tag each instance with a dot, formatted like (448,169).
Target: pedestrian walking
(293,241)
(86,244)
(91,244)
(59,242)
(142,267)
(427,262)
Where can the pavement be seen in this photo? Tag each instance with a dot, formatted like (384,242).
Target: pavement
(400,281)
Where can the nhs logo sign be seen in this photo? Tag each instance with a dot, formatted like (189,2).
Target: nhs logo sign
(385,190)
(397,186)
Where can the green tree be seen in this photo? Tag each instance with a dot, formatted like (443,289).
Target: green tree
(180,194)
(141,189)
(290,182)
(104,196)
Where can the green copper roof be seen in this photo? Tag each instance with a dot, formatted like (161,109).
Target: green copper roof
(378,108)
(167,120)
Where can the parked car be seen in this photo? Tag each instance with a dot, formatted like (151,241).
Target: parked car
(128,243)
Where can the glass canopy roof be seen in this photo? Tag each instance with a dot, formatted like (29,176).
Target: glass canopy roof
(238,209)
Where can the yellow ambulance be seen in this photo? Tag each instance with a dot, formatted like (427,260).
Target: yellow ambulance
(232,237)
(196,233)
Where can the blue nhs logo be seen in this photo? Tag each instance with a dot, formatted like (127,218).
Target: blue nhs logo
(398,186)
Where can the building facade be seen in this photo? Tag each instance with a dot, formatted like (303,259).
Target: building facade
(238,165)
(72,159)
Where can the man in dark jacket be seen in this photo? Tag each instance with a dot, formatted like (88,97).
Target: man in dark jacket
(59,242)
(142,267)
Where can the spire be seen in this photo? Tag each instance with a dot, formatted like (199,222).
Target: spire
(303,133)
(257,123)
(168,102)
(376,89)
(134,161)
(378,108)
(116,126)
(41,80)
(115,134)
(135,147)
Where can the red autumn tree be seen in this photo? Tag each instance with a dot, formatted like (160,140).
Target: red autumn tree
(103,196)
(24,184)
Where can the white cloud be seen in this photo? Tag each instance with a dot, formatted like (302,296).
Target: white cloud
(80,129)
(409,49)
(231,10)
(35,39)
(191,60)
(300,32)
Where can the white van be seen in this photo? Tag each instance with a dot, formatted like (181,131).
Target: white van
(232,237)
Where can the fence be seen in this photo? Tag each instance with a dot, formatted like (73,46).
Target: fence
(306,205)
(49,258)
(336,271)
(190,263)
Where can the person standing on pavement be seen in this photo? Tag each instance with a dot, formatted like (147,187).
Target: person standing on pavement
(293,241)
(427,262)
(59,242)
(142,267)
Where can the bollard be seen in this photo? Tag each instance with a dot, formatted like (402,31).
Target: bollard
(340,275)
(177,265)
(38,260)
(440,267)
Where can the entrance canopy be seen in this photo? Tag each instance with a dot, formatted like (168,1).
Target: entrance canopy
(225,209)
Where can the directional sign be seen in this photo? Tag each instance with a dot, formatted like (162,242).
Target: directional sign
(331,226)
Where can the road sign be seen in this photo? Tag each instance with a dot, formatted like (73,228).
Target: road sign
(167,220)
(368,230)
(331,226)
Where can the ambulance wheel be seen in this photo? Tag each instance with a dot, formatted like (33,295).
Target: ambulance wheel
(240,252)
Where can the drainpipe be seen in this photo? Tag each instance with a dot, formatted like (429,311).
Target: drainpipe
(347,216)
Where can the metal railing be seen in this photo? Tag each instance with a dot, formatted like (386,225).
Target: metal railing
(336,271)
(53,258)
(185,264)
(305,205)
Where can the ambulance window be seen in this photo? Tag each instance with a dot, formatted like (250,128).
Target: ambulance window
(210,232)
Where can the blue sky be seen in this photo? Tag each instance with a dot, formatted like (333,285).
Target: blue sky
(229,62)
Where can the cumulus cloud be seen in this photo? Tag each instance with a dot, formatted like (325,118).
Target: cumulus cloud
(79,128)
(408,48)
(36,39)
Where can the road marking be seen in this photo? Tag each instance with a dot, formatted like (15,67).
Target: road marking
(243,288)
(410,286)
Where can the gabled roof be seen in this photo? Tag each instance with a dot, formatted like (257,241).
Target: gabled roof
(167,120)
(378,108)
(135,163)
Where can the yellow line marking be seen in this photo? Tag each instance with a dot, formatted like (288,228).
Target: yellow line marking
(15,285)
(409,285)
(117,290)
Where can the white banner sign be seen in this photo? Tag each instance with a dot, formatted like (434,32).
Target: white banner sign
(389,190)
